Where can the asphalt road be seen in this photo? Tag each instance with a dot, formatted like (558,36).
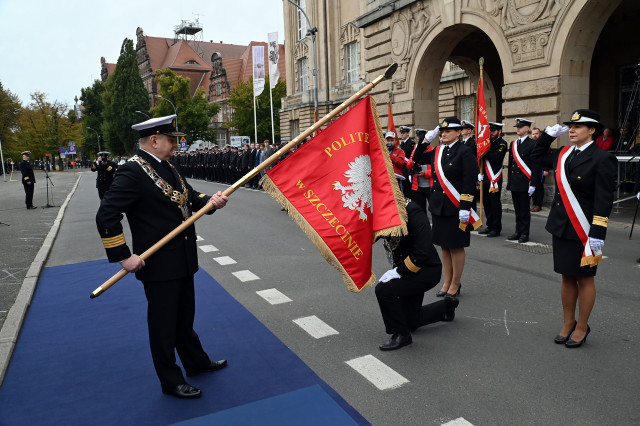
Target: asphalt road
(495,364)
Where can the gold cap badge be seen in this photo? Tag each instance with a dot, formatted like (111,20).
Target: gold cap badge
(575,116)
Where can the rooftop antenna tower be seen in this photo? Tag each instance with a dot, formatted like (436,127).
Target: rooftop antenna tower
(191,32)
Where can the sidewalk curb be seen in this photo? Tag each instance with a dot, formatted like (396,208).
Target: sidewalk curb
(15,317)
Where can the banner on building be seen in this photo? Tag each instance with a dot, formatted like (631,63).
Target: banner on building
(258,70)
(274,57)
(340,189)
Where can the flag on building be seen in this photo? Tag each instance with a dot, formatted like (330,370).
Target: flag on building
(482,123)
(258,70)
(340,189)
(274,56)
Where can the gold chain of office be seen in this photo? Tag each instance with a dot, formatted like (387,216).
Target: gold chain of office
(177,197)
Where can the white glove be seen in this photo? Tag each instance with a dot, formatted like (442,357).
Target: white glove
(596,244)
(464,215)
(480,177)
(556,130)
(532,189)
(638,195)
(391,274)
(432,134)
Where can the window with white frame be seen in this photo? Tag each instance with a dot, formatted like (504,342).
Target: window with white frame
(294,128)
(303,74)
(302,21)
(351,62)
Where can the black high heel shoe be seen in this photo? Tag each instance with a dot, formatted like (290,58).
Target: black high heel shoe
(573,344)
(561,340)
(441,294)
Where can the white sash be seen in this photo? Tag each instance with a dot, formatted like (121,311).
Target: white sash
(494,177)
(516,155)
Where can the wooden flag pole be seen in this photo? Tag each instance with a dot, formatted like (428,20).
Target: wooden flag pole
(480,162)
(246,178)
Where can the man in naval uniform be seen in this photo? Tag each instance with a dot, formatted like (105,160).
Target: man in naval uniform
(494,158)
(156,199)
(28,179)
(520,178)
(106,170)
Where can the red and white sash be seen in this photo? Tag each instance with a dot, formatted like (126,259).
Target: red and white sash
(453,193)
(494,177)
(523,166)
(574,211)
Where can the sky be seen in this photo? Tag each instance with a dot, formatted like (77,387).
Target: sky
(54,47)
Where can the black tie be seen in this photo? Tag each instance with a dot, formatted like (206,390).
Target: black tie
(446,150)
(574,154)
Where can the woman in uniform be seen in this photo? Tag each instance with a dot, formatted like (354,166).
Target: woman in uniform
(455,173)
(585,182)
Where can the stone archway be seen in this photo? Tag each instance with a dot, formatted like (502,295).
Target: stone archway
(462,44)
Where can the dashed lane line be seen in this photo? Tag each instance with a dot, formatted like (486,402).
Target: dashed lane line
(224,260)
(460,421)
(245,276)
(315,327)
(208,248)
(378,373)
(273,296)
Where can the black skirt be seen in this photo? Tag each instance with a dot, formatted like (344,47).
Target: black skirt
(567,254)
(447,234)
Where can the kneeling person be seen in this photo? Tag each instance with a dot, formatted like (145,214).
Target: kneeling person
(417,269)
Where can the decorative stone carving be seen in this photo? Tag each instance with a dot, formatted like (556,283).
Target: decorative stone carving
(511,14)
(301,50)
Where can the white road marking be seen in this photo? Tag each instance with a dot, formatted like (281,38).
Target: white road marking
(505,321)
(460,421)
(208,248)
(315,327)
(245,276)
(273,296)
(381,375)
(199,238)
(224,260)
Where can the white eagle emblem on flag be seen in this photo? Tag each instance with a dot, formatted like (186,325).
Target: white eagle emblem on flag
(356,195)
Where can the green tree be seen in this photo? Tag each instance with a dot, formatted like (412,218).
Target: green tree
(241,100)
(91,98)
(124,94)
(45,127)
(194,112)
(10,110)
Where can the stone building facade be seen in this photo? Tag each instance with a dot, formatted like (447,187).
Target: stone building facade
(543,58)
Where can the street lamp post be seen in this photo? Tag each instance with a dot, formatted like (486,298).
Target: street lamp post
(312,31)
(98,135)
(174,109)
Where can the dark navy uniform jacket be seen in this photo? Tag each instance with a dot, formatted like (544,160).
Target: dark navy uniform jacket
(461,169)
(518,181)
(591,175)
(27,172)
(105,173)
(495,156)
(151,216)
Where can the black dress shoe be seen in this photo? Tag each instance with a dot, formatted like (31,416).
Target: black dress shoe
(561,340)
(493,234)
(396,342)
(212,366)
(573,344)
(184,391)
(513,237)
(450,308)
(31,207)
(524,239)
(485,231)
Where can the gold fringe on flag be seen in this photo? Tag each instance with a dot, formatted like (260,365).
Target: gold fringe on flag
(591,261)
(395,231)
(323,248)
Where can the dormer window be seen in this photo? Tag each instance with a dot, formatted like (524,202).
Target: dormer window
(192,62)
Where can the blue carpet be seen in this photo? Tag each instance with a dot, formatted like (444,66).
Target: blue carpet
(80,361)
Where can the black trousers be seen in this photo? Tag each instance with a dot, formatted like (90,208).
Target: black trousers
(492,207)
(401,307)
(28,190)
(421,196)
(538,195)
(522,210)
(101,192)
(170,315)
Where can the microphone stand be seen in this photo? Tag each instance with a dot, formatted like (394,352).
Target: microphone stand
(48,179)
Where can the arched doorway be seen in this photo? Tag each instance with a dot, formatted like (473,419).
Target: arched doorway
(462,45)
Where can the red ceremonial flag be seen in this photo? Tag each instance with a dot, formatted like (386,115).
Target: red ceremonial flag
(390,126)
(482,123)
(340,189)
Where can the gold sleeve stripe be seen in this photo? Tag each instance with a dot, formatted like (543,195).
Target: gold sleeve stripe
(466,197)
(601,221)
(26,178)
(410,265)
(116,241)
(201,195)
